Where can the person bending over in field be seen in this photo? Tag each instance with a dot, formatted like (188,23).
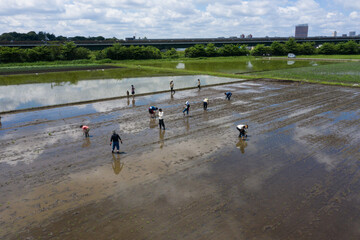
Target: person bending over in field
(228,95)
(85,129)
(152,111)
(242,131)
(205,103)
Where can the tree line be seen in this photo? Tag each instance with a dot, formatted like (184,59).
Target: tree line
(43,36)
(70,51)
(275,49)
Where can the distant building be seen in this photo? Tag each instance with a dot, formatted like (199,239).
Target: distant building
(130,38)
(344,35)
(242,36)
(301,31)
(249,36)
(352,34)
(334,34)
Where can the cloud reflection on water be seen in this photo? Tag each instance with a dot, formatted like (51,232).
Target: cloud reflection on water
(46,94)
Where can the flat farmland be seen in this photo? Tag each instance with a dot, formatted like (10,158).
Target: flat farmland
(296,176)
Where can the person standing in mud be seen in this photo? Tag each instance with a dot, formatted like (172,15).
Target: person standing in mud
(228,95)
(199,84)
(132,90)
(186,108)
(114,140)
(161,119)
(172,87)
(205,103)
(85,129)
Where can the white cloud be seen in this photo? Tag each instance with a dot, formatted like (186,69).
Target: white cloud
(349,4)
(354,15)
(175,18)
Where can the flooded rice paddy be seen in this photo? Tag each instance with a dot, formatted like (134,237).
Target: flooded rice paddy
(239,66)
(15,97)
(296,176)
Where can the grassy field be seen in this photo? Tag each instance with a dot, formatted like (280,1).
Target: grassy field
(330,56)
(44,66)
(341,73)
(347,73)
(75,76)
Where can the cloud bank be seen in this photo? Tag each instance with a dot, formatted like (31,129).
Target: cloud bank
(179,18)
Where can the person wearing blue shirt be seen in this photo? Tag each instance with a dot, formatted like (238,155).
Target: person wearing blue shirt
(152,111)
(228,95)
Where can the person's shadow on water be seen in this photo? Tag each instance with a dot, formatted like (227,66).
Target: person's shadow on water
(152,123)
(242,144)
(161,138)
(116,164)
(86,143)
(133,102)
(187,125)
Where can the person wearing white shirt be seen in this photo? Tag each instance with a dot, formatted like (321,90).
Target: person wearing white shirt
(186,108)
(242,131)
(161,119)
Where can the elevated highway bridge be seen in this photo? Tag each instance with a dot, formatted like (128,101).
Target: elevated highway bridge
(179,43)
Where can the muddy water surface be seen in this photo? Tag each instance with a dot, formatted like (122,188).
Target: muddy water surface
(296,176)
(240,66)
(49,94)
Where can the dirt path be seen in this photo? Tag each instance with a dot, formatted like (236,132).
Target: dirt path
(296,177)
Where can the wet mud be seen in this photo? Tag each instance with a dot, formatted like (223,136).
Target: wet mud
(296,176)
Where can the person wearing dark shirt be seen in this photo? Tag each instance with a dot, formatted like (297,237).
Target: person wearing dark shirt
(115,141)
(132,90)
(228,95)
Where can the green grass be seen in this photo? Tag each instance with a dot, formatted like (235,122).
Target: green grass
(341,73)
(330,56)
(323,57)
(38,66)
(187,60)
(74,76)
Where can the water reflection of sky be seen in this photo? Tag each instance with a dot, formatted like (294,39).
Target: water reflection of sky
(19,119)
(24,96)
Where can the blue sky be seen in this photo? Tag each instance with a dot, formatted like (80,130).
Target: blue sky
(179,18)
